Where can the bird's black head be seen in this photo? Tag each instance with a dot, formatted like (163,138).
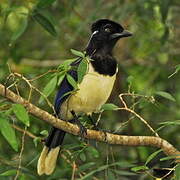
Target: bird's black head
(105,34)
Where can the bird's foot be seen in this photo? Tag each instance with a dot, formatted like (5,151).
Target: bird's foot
(105,135)
(82,129)
(95,127)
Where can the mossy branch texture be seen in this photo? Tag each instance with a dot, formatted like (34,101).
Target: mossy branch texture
(151,141)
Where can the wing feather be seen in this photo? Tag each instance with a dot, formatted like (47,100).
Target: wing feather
(66,87)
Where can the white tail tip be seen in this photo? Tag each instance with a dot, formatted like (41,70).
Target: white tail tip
(47,160)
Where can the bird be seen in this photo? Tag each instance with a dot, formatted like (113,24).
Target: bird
(93,91)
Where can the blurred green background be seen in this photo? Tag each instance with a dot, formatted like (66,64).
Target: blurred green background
(36,36)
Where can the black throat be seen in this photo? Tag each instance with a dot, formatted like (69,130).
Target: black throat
(103,61)
(104,64)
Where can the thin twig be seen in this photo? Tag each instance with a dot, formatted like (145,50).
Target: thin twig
(34,88)
(20,155)
(142,119)
(133,112)
(41,75)
(22,130)
(69,162)
(73,171)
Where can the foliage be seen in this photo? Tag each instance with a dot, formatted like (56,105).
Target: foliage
(36,38)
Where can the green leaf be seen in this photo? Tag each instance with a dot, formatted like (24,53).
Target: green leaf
(160,128)
(77,53)
(44,133)
(7,11)
(139,168)
(45,23)
(9,173)
(68,93)
(66,64)
(93,151)
(123,172)
(36,141)
(109,107)
(152,156)
(170,157)
(164,7)
(8,112)
(177,122)
(177,172)
(69,61)
(49,88)
(82,157)
(44,3)
(178,68)
(130,79)
(33,160)
(85,166)
(61,77)
(23,177)
(21,113)
(82,70)
(124,164)
(20,30)
(165,95)
(101,168)
(94,171)
(168,123)
(71,81)
(8,132)
(111,175)
(176,71)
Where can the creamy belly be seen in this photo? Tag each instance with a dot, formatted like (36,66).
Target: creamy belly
(93,92)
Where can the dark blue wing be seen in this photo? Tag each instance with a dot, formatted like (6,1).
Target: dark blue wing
(66,87)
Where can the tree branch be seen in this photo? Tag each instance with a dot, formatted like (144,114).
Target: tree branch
(109,138)
(23,131)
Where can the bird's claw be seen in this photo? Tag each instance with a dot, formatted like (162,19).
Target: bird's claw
(105,135)
(82,130)
(95,127)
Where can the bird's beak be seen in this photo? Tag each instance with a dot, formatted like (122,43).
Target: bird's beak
(125,33)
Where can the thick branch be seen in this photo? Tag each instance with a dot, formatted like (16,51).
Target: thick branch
(92,134)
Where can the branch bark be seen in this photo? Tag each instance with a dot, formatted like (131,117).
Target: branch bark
(109,138)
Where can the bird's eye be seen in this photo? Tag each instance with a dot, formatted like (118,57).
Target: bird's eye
(107,30)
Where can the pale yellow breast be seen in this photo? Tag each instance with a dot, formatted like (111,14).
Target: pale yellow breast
(93,92)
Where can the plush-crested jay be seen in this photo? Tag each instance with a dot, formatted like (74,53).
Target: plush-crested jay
(94,90)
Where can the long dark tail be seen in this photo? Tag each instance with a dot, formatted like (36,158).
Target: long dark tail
(49,154)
